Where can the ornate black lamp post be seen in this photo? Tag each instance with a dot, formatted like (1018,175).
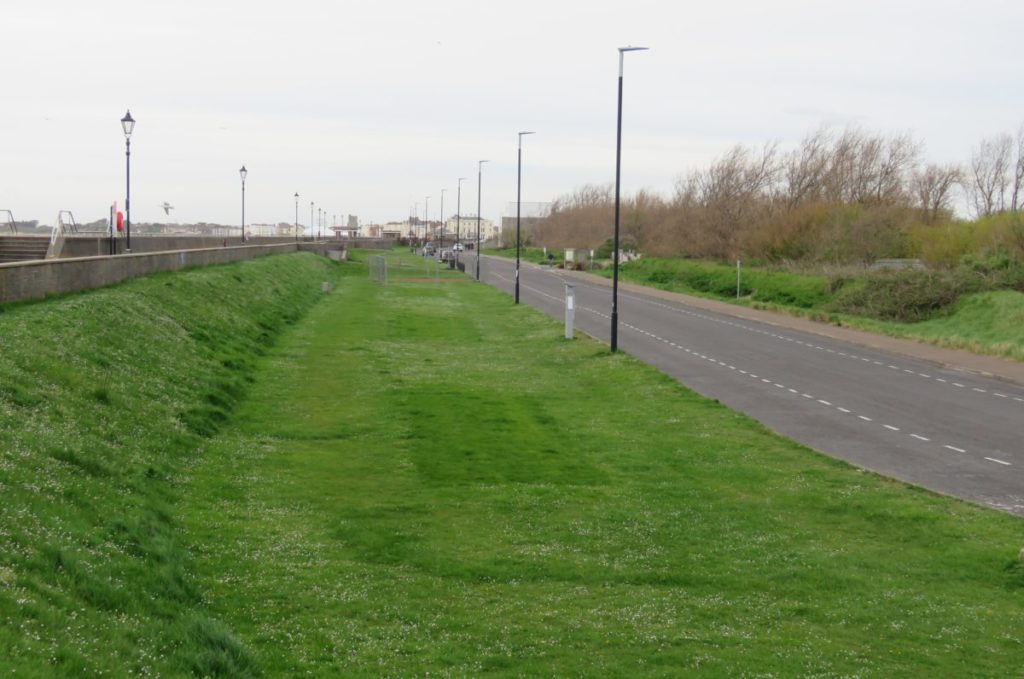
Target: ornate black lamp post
(128,124)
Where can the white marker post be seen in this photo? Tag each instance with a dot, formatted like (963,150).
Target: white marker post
(737,279)
(570,308)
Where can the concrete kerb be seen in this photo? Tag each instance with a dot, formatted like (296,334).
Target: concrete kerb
(953,359)
(20,281)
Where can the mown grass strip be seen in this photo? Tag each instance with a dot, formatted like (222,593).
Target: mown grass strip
(426,479)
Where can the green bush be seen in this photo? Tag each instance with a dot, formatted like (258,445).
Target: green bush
(909,295)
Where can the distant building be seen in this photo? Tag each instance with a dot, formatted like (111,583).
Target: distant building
(391,230)
(530,214)
(467,226)
(345,231)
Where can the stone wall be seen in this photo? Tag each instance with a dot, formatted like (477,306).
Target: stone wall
(36,279)
(97,246)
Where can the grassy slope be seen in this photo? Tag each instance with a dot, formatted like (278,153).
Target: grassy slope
(104,400)
(986,323)
(427,479)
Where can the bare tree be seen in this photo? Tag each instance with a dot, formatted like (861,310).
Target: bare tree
(932,187)
(990,174)
(805,169)
(1018,174)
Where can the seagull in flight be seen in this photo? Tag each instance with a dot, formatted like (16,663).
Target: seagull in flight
(167,208)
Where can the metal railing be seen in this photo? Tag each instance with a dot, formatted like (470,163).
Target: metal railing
(11,224)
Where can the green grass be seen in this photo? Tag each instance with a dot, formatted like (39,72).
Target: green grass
(426,479)
(985,322)
(535,255)
(223,472)
(106,399)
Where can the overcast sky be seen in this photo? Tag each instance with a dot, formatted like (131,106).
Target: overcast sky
(368,107)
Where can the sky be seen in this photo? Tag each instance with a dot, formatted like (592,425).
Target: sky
(369,108)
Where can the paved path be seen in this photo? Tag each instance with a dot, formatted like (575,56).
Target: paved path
(946,420)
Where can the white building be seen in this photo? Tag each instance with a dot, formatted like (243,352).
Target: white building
(467,227)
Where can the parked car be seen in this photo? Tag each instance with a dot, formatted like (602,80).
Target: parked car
(446,254)
(428,250)
(458,247)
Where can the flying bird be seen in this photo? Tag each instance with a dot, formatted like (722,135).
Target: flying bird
(167,208)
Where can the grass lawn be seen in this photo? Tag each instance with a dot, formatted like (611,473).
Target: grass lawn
(426,479)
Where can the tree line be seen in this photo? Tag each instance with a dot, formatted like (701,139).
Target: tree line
(846,196)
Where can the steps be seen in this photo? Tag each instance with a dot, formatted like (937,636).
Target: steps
(22,248)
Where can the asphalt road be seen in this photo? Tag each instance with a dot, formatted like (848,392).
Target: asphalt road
(946,430)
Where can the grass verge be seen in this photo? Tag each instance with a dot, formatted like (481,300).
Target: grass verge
(426,479)
(107,399)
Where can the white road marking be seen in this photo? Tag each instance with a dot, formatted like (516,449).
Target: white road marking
(808,396)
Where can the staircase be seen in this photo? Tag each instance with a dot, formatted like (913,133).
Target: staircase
(22,248)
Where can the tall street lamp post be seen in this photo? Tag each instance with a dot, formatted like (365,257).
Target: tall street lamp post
(128,124)
(442,220)
(458,216)
(618,171)
(311,222)
(426,217)
(242,173)
(519,201)
(319,221)
(479,184)
(296,216)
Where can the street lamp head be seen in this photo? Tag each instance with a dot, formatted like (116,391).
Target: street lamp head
(622,54)
(128,124)
(524,133)
(242,172)
(480,163)
(296,195)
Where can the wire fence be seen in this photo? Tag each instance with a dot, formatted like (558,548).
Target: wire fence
(378,266)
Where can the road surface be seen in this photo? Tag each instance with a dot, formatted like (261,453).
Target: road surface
(951,431)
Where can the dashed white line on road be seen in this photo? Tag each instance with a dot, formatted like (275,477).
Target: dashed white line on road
(919,437)
(1002,462)
(889,426)
(955,449)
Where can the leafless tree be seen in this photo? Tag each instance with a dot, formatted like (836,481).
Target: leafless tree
(1018,174)
(990,174)
(805,169)
(932,187)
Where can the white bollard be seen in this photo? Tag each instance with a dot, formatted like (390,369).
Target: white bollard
(570,308)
